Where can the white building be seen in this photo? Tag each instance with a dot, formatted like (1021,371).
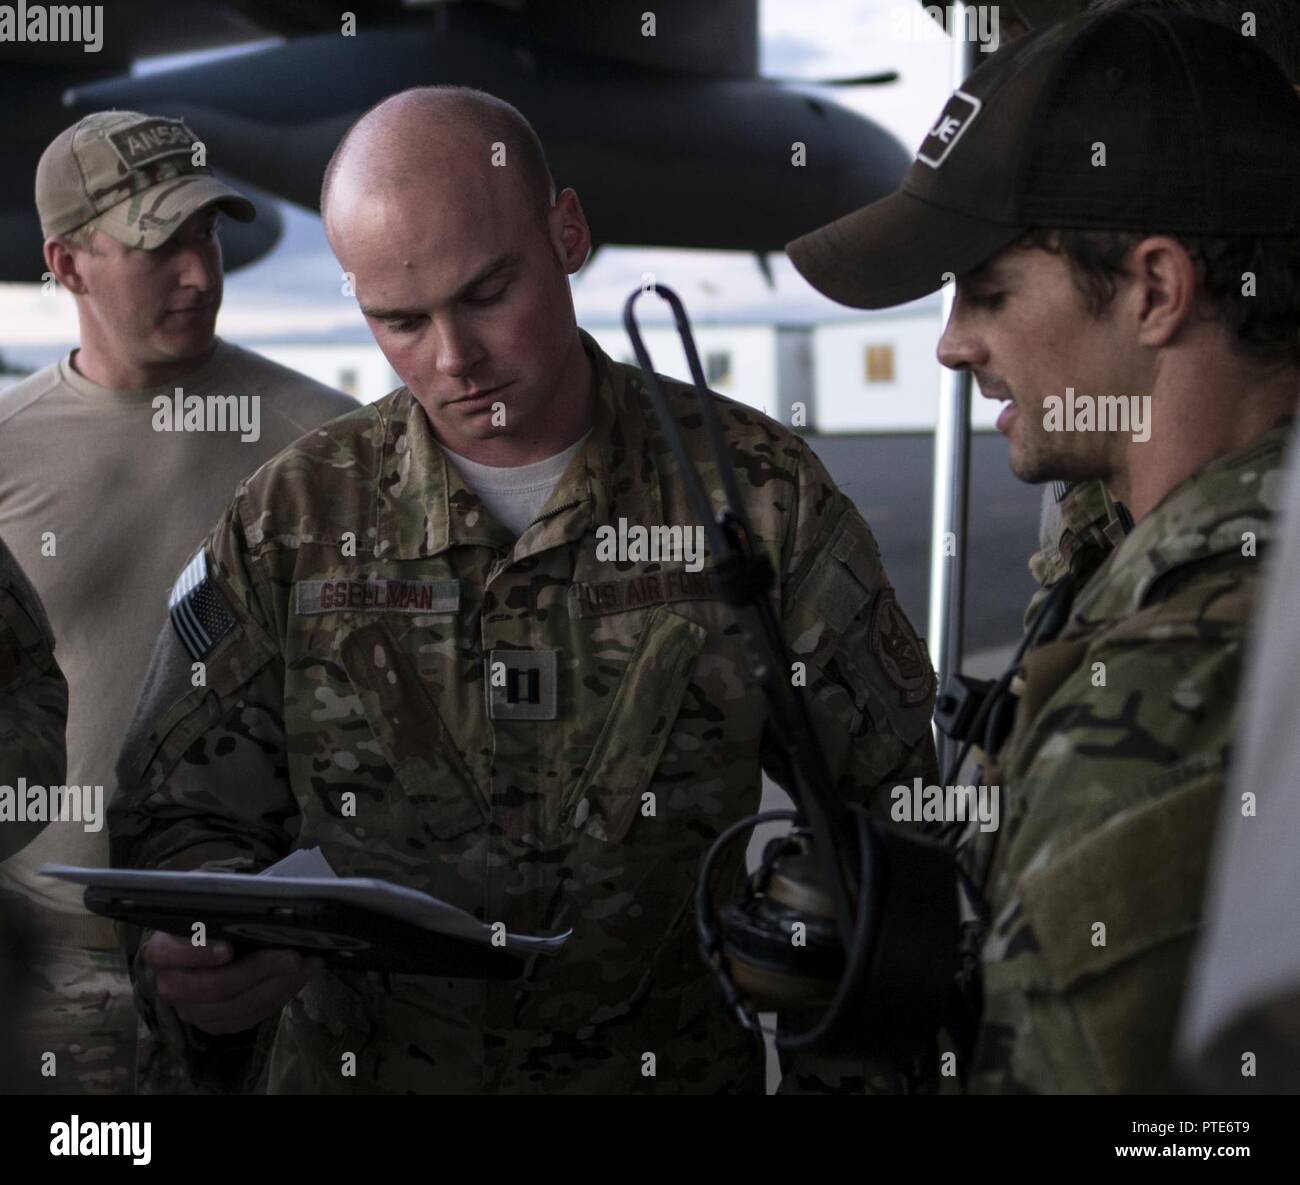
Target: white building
(359,370)
(870,372)
(879,373)
(739,361)
(874,372)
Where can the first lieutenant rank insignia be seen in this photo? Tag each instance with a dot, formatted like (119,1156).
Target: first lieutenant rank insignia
(197,609)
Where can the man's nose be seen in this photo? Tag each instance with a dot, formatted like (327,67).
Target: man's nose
(458,350)
(198,269)
(958,347)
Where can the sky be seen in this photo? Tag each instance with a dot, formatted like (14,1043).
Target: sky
(294,292)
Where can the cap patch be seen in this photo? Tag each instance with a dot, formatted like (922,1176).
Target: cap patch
(151,140)
(957,115)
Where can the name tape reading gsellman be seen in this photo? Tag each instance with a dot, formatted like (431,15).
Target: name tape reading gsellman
(53,23)
(52,804)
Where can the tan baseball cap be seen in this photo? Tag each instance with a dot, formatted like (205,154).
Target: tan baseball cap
(134,174)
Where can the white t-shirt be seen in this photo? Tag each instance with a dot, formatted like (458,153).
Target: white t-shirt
(515,495)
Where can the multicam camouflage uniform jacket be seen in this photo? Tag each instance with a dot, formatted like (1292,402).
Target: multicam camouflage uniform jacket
(333,674)
(1086,532)
(33,701)
(1111,780)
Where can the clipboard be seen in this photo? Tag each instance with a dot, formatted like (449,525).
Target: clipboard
(350,924)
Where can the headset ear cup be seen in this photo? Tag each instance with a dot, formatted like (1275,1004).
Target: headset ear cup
(774,964)
(781,944)
(904,978)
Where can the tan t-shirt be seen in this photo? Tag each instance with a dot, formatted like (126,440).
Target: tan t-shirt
(103,508)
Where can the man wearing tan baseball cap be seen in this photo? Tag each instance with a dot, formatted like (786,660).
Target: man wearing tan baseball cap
(140,176)
(101,498)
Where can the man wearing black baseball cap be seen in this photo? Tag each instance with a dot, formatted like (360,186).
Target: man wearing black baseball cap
(1080,521)
(1118,200)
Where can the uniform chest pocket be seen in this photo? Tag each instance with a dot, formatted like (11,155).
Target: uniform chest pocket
(607,796)
(410,731)
(1142,875)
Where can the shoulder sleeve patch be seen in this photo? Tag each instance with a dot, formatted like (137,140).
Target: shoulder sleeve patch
(198,610)
(901,654)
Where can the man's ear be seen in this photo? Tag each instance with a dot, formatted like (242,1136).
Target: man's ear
(570,231)
(1164,276)
(63,263)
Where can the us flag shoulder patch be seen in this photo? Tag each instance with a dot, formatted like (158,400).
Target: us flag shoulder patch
(198,611)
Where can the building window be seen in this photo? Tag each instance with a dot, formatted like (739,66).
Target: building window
(348,381)
(880,364)
(717,369)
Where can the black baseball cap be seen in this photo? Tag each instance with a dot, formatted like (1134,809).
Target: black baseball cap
(1200,132)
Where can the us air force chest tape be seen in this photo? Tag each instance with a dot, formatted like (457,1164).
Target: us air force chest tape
(198,609)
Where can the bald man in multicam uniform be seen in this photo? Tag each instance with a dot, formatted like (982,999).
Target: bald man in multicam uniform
(418,660)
